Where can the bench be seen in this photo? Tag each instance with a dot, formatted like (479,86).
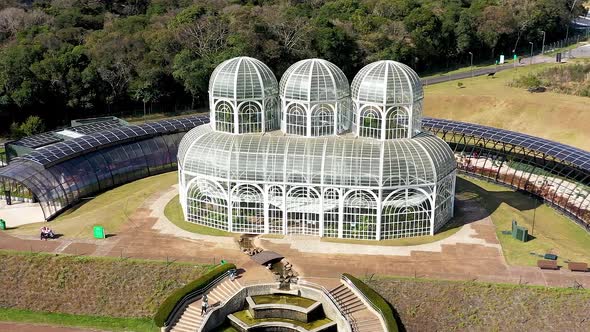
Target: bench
(577,266)
(547,265)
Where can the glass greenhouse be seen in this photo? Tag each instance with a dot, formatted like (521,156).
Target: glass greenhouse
(330,170)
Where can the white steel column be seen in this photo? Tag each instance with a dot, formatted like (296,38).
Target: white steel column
(383,124)
(341,216)
(433,209)
(265,211)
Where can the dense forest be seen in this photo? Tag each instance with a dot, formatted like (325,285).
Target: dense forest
(65,59)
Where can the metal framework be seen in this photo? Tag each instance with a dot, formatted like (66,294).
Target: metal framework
(243,97)
(313,178)
(387,101)
(556,173)
(315,99)
(60,175)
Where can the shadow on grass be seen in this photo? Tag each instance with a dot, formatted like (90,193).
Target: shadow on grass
(400,325)
(467,192)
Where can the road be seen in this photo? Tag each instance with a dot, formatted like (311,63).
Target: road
(579,52)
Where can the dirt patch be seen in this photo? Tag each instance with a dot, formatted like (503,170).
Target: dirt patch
(90,286)
(437,305)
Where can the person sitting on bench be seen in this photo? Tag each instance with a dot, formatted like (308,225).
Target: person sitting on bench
(46,233)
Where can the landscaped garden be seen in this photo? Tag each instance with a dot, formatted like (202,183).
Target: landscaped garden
(552,231)
(111,209)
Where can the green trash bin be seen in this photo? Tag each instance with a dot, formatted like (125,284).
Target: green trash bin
(99,232)
(2,224)
(223,261)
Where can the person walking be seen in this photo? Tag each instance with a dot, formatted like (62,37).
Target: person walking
(205,304)
(204,308)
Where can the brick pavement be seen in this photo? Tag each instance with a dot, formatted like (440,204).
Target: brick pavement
(458,261)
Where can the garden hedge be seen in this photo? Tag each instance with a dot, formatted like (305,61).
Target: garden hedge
(378,301)
(168,305)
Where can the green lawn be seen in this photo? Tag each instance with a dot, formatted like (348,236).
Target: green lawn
(82,321)
(553,232)
(173,212)
(110,209)
(491,102)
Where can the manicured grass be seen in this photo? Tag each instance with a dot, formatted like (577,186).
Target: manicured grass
(110,209)
(245,317)
(490,101)
(82,321)
(173,212)
(553,232)
(283,299)
(449,229)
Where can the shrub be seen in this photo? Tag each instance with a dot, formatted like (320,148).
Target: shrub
(527,81)
(171,301)
(378,301)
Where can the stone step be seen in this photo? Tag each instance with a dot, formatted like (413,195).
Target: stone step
(346,297)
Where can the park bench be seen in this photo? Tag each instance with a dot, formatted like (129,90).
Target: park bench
(577,266)
(547,265)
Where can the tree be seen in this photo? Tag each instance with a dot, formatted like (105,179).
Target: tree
(32,125)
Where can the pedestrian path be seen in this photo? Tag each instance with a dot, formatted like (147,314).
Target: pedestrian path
(191,318)
(359,315)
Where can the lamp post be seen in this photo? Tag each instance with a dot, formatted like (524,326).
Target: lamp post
(543,47)
(471,63)
(531,52)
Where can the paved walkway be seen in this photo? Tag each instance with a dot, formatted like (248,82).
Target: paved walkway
(19,213)
(165,226)
(582,51)
(472,253)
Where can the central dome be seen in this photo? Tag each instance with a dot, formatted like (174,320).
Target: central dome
(315,98)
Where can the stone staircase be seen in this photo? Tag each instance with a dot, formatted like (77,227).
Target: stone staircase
(191,319)
(361,318)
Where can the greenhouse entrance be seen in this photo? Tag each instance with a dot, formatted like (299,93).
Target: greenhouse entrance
(304,223)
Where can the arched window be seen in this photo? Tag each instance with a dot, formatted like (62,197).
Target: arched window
(207,204)
(270,113)
(397,123)
(322,120)
(370,122)
(250,118)
(296,120)
(247,209)
(360,216)
(417,116)
(444,202)
(224,117)
(406,213)
(303,211)
(331,212)
(275,209)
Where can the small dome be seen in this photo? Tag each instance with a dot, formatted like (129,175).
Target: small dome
(243,97)
(387,82)
(242,78)
(314,80)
